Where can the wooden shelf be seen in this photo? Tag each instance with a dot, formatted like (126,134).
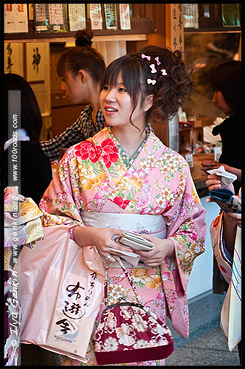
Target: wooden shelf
(142,23)
(213,30)
(69,36)
(61,38)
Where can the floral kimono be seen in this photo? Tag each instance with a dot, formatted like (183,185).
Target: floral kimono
(97,175)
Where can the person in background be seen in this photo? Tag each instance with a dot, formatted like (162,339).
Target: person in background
(226,81)
(35,171)
(224,229)
(81,69)
(126,169)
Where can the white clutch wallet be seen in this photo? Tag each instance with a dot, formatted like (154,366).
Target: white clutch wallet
(135,241)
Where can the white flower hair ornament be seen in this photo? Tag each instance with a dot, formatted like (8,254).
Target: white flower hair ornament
(164,73)
(151,81)
(157,60)
(143,56)
(153,68)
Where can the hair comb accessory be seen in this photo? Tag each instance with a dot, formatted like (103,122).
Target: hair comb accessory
(151,81)
(157,60)
(143,56)
(164,73)
(153,68)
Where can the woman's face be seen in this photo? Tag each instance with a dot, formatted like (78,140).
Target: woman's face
(73,87)
(221,103)
(117,106)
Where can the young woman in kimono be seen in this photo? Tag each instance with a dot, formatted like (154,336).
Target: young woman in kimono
(125,178)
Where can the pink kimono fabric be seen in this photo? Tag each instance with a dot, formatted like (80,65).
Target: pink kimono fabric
(92,176)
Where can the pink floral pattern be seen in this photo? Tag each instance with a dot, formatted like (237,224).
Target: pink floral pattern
(121,202)
(106,152)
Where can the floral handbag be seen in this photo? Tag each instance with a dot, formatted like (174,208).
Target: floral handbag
(130,332)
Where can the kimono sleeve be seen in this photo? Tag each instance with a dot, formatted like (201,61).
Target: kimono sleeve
(186,226)
(61,202)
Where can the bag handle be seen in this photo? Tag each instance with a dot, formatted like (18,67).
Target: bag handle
(128,275)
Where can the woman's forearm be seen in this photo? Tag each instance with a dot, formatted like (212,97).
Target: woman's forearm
(84,236)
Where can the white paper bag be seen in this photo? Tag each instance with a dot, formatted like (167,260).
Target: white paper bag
(61,288)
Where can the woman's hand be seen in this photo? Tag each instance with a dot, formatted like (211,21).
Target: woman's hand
(102,238)
(235,218)
(213,182)
(209,164)
(162,249)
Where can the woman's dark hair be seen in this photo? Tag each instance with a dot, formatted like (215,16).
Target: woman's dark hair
(31,119)
(227,78)
(82,56)
(153,70)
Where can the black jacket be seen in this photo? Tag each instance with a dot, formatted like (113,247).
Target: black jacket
(34,171)
(230,131)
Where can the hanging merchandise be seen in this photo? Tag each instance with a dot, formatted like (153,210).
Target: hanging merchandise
(124,14)
(15,18)
(77,17)
(110,16)
(95,16)
(49,17)
(40,17)
(56,17)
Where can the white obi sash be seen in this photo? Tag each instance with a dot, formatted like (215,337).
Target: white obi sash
(139,223)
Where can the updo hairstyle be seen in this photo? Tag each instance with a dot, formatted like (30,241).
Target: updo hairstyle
(82,56)
(152,70)
(173,84)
